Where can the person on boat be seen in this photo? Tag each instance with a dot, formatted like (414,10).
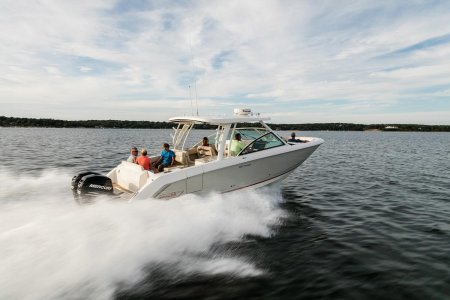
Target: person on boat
(166,159)
(133,156)
(144,161)
(294,140)
(237,145)
(205,142)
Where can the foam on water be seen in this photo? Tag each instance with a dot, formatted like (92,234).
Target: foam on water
(53,248)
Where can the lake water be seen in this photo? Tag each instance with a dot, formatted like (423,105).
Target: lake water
(367,216)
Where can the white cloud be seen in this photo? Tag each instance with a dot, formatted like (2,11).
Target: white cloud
(85,69)
(52,70)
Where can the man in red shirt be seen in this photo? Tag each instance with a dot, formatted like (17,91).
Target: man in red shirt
(144,160)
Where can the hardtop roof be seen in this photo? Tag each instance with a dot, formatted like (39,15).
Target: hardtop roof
(219,120)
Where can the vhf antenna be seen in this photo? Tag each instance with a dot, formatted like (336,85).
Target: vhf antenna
(196,102)
(195,80)
(190,97)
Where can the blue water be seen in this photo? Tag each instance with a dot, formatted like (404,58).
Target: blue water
(367,216)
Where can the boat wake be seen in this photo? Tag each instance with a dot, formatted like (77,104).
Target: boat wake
(53,248)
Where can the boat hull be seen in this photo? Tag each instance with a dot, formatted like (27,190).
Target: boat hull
(248,171)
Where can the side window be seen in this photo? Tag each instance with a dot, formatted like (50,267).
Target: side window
(265,142)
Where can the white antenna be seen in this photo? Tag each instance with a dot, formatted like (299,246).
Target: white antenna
(190,97)
(193,73)
(196,102)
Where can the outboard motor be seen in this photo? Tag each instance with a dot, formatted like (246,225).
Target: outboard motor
(87,185)
(76,179)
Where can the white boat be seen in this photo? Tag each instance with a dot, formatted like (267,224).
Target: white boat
(265,159)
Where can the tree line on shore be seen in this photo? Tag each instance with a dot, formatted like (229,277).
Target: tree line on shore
(52,123)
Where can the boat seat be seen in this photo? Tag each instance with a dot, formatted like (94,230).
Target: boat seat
(205,160)
(204,151)
(131,176)
(192,154)
(182,157)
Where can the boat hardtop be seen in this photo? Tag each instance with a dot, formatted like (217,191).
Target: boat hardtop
(217,120)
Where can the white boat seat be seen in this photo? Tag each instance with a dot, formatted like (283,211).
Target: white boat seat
(205,160)
(182,157)
(131,176)
(192,154)
(203,151)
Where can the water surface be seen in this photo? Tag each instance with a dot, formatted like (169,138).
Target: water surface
(365,217)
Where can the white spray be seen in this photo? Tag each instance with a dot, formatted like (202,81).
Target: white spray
(52,248)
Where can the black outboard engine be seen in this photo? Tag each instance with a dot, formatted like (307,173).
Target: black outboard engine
(87,185)
(76,179)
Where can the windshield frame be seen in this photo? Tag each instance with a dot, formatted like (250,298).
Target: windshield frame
(281,143)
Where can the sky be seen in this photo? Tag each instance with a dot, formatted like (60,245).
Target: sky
(296,61)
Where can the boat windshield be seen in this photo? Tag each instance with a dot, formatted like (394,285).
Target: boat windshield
(251,133)
(265,142)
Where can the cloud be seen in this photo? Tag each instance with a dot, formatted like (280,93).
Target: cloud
(356,59)
(85,69)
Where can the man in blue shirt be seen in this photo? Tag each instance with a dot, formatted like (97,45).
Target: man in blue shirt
(166,159)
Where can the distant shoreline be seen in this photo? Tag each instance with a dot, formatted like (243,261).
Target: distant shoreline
(119,124)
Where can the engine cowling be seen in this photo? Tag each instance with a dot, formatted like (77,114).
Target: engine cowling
(76,179)
(88,185)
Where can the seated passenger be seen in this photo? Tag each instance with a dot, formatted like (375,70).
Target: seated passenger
(205,142)
(134,153)
(236,145)
(294,140)
(166,159)
(144,161)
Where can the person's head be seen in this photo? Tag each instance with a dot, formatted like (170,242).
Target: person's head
(166,146)
(293,135)
(134,151)
(237,136)
(144,152)
(205,141)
